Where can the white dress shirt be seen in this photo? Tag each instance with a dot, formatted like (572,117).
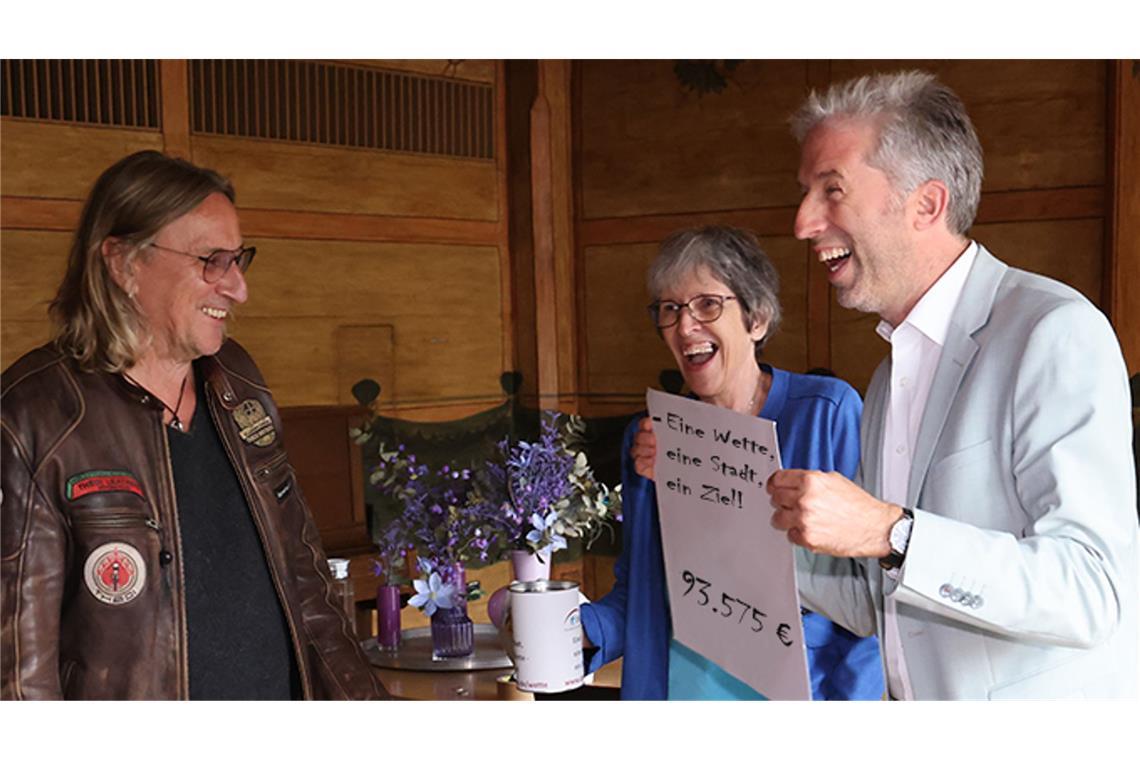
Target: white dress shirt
(916,346)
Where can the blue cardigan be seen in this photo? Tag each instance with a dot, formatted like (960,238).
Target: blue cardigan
(817,424)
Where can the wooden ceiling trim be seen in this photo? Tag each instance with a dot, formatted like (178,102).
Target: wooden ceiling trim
(654,227)
(1008,206)
(360,227)
(63,215)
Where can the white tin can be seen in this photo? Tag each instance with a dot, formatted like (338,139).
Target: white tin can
(547,635)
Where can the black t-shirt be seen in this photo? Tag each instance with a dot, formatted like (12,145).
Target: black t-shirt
(239,640)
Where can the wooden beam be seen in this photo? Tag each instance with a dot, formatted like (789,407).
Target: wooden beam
(556,320)
(1008,206)
(174,82)
(17,213)
(521,86)
(49,214)
(1052,204)
(1122,239)
(328,226)
(542,210)
(653,228)
(503,230)
(558,78)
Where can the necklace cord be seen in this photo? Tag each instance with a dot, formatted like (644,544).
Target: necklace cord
(175,423)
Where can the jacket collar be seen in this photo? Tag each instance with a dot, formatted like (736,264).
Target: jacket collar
(970,315)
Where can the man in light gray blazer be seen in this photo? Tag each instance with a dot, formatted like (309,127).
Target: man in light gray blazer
(993,543)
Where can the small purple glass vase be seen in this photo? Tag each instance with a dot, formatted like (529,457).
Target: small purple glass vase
(388,618)
(452,632)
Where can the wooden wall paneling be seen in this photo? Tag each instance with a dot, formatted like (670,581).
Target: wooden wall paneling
(46,160)
(650,147)
(1122,291)
(297,354)
(30,271)
(364,351)
(329,473)
(1041,123)
(286,176)
(1070,251)
(174,96)
(442,302)
(626,355)
(789,348)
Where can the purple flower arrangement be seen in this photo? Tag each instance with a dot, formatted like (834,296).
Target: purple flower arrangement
(532,495)
(541,493)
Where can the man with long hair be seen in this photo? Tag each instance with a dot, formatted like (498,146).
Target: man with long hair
(155,542)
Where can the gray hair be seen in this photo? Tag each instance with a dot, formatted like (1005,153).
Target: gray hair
(732,256)
(924,134)
(96,321)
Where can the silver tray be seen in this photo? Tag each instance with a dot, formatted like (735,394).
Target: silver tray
(415,652)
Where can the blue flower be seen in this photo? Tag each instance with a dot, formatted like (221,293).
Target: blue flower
(432,594)
(542,528)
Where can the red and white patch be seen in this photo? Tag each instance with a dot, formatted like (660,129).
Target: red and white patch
(115,573)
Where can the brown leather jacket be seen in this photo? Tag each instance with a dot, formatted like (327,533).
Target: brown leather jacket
(93,603)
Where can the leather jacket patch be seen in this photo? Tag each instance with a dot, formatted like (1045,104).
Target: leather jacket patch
(102,481)
(114,573)
(254,424)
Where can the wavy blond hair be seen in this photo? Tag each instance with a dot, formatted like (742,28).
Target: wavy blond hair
(95,321)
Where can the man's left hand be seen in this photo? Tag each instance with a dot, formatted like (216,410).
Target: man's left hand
(828,514)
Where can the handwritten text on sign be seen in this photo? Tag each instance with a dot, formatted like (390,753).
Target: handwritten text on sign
(731,576)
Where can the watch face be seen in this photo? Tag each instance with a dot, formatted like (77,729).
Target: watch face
(900,534)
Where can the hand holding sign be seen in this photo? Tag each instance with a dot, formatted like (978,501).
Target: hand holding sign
(828,514)
(644,449)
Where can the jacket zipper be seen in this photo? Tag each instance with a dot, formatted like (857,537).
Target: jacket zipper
(116,520)
(184,639)
(243,479)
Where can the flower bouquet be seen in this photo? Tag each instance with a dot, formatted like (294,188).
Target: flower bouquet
(437,526)
(546,492)
(531,496)
(538,494)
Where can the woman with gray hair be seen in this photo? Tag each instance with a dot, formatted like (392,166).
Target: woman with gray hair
(715,304)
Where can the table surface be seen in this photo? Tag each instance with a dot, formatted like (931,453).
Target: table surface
(404,682)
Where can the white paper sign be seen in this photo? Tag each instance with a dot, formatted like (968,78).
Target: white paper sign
(731,575)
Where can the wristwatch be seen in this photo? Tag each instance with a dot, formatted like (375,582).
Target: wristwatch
(899,538)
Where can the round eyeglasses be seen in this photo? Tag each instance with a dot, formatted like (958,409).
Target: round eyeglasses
(215,266)
(706,307)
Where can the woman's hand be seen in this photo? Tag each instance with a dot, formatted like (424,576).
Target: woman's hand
(644,449)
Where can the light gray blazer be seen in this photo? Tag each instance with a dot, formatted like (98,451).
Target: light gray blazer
(1021,575)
